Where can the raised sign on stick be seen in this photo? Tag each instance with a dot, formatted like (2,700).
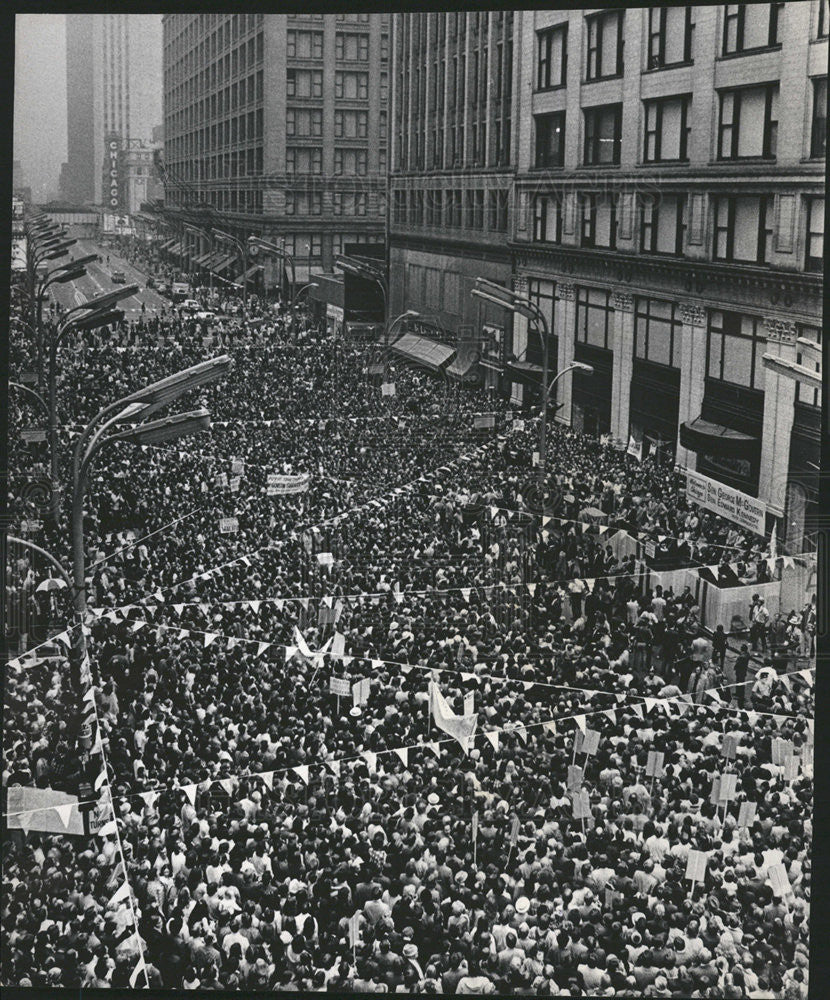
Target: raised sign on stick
(696,868)
(746,814)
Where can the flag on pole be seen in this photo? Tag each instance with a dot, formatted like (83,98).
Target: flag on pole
(460,727)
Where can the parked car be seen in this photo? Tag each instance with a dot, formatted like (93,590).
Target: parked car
(119,278)
(205,316)
(190,306)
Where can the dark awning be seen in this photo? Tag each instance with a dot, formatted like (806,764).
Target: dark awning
(524,371)
(205,257)
(167,244)
(253,270)
(702,435)
(423,351)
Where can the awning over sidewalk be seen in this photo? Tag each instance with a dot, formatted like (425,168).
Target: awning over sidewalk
(464,368)
(223,263)
(202,261)
(524,371)
(423,351)
(702,435)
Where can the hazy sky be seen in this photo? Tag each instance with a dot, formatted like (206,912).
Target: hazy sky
(40,98)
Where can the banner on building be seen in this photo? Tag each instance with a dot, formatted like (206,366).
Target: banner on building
(747,511)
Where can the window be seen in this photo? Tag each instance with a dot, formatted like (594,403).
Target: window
(399,206)
(814,258)
(552,57)
(663,225)
(599,221)
(818,134)
(304,123)
(748,124)
(350,162)
(743,228)
(735,349)
(657,331)
(499,201)
(547,219)
(304,44)
(304,83)
(550,139)
(667,129)
(351,86)
(594,314)
(670,32)
(302,161)
(351,46)
(603,127)
(823,22)
(806,394)
(605,45)
(750,26)
(351,124)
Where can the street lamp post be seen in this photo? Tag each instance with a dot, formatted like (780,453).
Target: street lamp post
(360,267)
(255,244)
(205,235)
(491,292)
(241,248)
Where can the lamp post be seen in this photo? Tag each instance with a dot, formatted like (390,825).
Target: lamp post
(506,298)
(205,235)
(255,244)
(135,407)
(360,267)
(97,312)
(241,248)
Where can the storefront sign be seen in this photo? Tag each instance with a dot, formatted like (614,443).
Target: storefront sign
(726,501)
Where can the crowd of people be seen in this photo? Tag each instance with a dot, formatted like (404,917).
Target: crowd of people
(274,835)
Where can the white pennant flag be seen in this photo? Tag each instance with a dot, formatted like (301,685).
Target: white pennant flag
(227,784)
(531,589)
(254,606)
(102,777)
(289,652)
(714,693)
(806,675)
(210,637)
(109,829)
(267,778)
(262,647)
(403,753)
(637,710)
(121,893)
(549,726)
(521,732)
(610,714)
(493,737)
(190,792)
(650,703)
(302,773)
(527,685)
(183,633)
(334,766)
(465,593)
(435,747)
(64,638)
(580,721)
(140,967)
(137,626)
(232,642)
(371,760)
(65,813)
(149,798)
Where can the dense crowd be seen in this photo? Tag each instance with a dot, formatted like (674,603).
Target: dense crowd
(423,554)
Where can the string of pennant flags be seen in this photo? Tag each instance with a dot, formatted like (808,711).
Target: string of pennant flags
(682,703)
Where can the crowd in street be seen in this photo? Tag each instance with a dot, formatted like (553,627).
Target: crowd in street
(277,836)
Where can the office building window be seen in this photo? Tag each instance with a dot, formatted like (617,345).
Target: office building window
(748,125)
(304,44)
(350,162)
(806,394)
(547,219)
(351,46)
(399,206)
(670,31)
(823,19)
(605,45)
(663,224)
(818,133)
(304,83)
(735,349)
(304,123)
(301,160)
(667,129)
(594,317)
(748,27)
(550,139)
(598,221)
(743,228)
(814,258)
(552,57)
(603,129)
(657,331)
(351,86)
(384,86)
(351,124)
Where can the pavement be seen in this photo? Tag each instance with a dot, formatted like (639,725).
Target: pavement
(98,280)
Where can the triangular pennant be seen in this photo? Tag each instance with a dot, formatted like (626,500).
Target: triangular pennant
(302,773)
(227,784)
(371,760)
(435,747)
(183,633)
(580,721)
(149,798)
(610,714)
(806,675)
(121,893)
(210,637)
(102,777)
(531,589)
(465,593)
(527,685)
(334,767)
(65,813)
(649,703)
(637,710)
(403,753)
(521,732)
(64,638)
(267,778)
(715,694)
(255,606)
(262,647)
(232,642)
(137,626)
(493,737)
(190,792)
(289,652)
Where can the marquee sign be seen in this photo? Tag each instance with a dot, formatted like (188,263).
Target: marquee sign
(112,174)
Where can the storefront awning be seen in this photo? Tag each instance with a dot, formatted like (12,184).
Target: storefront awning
(465,369)
(201,261)
(524,371)
(223,263)
(423,351)
(167,244)
(702,435)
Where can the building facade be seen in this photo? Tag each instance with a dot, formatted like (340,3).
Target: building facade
(113,89)
(279,123)
(453,164)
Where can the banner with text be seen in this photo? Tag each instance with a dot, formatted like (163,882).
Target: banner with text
(730,503)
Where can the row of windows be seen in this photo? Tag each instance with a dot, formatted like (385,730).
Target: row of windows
(308,160)
(239,95)
(311,203)
(239,163)
(747,128)
(735,343)
(199,70)
(742,225)
(242,128)
(453,209)
(746,28)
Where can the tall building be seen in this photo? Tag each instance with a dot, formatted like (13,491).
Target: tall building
(453,161)
(113,87)
(279,123)
(667,216)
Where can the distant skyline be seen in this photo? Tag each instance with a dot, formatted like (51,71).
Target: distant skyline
(40,99)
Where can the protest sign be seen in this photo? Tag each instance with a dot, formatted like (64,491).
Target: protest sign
(341,686)
(228,525)
(746,814)
(234,484)
(779,880)
(574,777)
(654,764)
(696,866)
(469,702)
(729,746)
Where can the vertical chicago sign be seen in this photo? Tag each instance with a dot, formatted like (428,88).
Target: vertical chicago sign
(112,186)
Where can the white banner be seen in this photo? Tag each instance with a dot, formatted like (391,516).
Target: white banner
(278,484)
(730,503)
